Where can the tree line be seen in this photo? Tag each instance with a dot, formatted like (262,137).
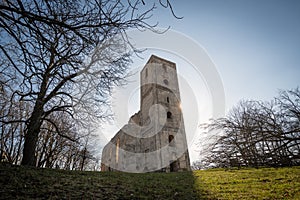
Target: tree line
(256,133)
(71,151)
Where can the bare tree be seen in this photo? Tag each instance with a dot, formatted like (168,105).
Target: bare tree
(258,133)
(12,134)
(65,56)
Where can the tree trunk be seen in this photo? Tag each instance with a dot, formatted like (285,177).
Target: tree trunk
(83,158)
(31,136)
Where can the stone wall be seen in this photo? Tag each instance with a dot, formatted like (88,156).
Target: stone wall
(154,138)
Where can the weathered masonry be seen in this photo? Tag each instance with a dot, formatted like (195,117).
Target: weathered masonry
(154,138)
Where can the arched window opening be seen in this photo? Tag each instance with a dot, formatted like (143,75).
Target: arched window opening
(171,138)
(168,100)
(169,115)
(146,72)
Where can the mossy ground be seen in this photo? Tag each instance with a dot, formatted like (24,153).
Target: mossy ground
(17,182)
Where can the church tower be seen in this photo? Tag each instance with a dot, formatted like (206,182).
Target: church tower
(160,101)
(154,138)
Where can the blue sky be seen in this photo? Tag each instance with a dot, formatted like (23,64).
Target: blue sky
(254,45)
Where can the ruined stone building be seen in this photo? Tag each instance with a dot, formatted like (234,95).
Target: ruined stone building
(154,138)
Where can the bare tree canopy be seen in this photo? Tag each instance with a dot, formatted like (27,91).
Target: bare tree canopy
(256,133)
(63,56)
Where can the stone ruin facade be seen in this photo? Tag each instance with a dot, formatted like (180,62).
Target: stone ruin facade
(154,138)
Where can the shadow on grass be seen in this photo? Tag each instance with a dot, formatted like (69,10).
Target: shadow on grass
(17,182)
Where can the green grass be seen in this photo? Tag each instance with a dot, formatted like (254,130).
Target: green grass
(18,182)
(24,183)
(264,183)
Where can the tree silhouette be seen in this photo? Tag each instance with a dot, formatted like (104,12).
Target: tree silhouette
(65,56)
(256,133)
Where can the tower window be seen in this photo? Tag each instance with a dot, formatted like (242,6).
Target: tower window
(168,100)
(166,82)
(171,141)
(146,72)
(169,115)
(171,137)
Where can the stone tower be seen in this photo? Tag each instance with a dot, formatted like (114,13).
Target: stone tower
(154,138)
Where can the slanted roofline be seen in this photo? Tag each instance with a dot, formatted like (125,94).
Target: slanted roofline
(156,59)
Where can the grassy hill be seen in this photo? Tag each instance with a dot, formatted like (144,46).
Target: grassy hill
(264,183)
(24,183)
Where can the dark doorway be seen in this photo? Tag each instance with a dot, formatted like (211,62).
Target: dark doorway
(174,166)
